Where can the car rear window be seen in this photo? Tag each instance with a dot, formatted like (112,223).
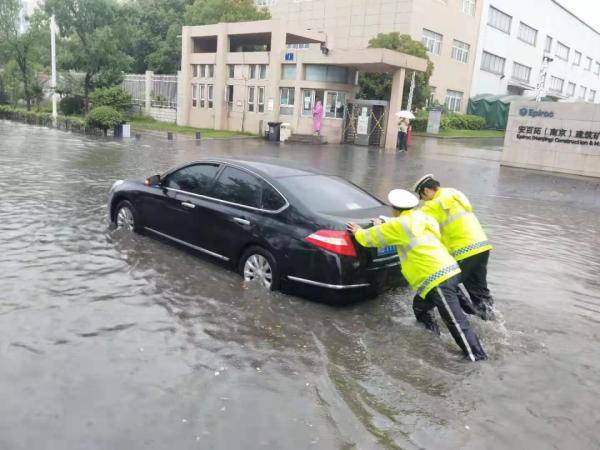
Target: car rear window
(329,194)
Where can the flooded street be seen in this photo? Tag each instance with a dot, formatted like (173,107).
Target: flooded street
(116,341)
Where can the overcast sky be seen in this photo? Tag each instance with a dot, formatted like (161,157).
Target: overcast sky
(586,10)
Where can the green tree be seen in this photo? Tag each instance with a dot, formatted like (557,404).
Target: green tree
(206,12)
(153,29)
(114,97)
(93,41)
(378,86)
(104,117)
(21,47)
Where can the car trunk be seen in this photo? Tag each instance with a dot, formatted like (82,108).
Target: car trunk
(372,258)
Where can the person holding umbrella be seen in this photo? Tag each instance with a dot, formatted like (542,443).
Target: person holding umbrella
(403,129)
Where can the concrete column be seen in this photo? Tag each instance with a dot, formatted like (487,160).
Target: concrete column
(220,79)
(184,88)
(148,92)
(278,45)
(391,135)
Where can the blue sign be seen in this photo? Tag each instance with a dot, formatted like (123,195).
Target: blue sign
(289,56)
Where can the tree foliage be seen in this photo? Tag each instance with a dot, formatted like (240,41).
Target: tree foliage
(378,86)
(206,12)
(23,48)
(114,97)
(92,40)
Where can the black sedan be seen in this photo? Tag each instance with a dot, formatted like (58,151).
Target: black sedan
(279,225)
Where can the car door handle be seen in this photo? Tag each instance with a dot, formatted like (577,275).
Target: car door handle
(188,205)
(241,221)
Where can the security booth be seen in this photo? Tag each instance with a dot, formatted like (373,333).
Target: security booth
(365,122)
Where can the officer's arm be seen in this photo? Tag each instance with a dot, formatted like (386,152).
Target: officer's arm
(463,200)
(433,209)
(381,236)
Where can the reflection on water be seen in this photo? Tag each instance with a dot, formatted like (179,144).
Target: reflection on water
(119,341)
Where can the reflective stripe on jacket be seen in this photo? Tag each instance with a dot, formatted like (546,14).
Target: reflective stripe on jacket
(462,233)
(425,262)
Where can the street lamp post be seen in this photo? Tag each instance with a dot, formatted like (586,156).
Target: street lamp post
(53,80)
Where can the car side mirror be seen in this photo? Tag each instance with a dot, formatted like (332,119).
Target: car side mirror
(154,180)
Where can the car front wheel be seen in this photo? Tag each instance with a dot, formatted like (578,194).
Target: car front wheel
(258,265)
(126,217)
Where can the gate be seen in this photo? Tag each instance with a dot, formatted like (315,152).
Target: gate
(365,123)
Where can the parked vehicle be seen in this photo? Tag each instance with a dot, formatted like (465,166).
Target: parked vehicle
(279,225)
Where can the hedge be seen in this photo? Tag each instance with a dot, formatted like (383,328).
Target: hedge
(104,117)
(449,121)
(44,119)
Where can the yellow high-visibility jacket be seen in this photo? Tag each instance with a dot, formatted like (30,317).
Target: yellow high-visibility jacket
(425,262)
(462,233)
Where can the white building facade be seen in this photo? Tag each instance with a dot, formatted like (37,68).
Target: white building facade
(520,38)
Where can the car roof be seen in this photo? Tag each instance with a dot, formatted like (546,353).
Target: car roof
(268,167)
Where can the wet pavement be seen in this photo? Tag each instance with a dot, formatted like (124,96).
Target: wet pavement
(113,341)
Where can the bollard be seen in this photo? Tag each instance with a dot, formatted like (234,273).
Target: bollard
(169,135)
(198,135)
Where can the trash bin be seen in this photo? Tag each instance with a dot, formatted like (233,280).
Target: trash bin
(285,131)
(274,131)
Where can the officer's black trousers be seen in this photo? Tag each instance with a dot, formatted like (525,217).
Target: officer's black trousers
(474,279)
(445,298)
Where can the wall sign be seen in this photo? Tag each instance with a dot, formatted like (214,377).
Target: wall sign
(289,56)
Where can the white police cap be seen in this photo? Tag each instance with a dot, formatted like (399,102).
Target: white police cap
(401,199)
(422,180)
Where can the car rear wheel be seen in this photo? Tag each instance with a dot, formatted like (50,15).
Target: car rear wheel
(126,217)
(259,265)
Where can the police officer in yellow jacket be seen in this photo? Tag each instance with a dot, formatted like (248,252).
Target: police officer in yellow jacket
(464,238)
(426,265)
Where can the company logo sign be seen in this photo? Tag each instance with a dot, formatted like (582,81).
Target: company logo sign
(535,113)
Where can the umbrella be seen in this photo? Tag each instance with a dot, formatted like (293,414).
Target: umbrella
(405,115)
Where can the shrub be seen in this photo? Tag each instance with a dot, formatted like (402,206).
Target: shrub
(115,97)
(73,105)
(104,117)
(462,122)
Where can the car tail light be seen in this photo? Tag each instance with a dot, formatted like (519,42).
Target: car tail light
(335,241)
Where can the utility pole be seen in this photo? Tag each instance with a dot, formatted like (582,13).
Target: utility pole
(53,80)
(411,92)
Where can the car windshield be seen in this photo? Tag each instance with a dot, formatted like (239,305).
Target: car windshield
(329,194)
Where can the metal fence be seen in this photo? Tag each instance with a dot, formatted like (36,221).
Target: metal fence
(162,90)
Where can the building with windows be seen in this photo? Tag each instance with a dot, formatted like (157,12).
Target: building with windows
(240,76)
(448,28)
(526,46)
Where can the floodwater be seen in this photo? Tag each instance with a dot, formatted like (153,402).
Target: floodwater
(115,341)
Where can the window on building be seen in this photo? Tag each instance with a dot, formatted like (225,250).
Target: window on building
(194,70)
(592,97)
(288,72)
(577,58)
(251,91)
(468,6)
(562,51)
(298,46)
(230,71)
(286,101)
(431,99)
(261,99)
(262,71)
(521,72)
(210,71)
(432,41)
(588,63)
(453,100)
(597,69)
(460,51)
(229,94)
(492,63)
(548,45)
(335,104)
(194,95)
(527,34)
(318,72)
(202,95)
(499,20)
(582,92)
(556,84)
(571,89)
(309,97)
(252,75)
(209,95)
